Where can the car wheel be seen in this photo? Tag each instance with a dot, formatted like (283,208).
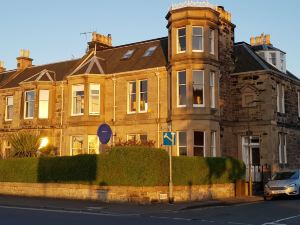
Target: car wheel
(267,198)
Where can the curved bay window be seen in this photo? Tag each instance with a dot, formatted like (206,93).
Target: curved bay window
(77,99)
(29,104)
(181,89)
(181,40)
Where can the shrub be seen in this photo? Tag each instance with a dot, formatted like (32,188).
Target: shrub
(198,170)
(24,144)
(122,166)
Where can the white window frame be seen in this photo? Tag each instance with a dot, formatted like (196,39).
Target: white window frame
(6,107)
(178,144)
(129,97)
(25,105)
(203,88)
(270,58)
(211,39)
(140,95)
(72,106)
(178,87)
(212,79)
(41,116)
(202,39)
(204,142)
(96,87)
(213,144)
(178,42)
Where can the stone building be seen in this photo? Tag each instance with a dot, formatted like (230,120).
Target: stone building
(214,93)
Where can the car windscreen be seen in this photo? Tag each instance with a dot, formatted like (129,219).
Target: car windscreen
(285,176)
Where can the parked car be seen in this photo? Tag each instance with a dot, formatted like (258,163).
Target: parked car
(283,183)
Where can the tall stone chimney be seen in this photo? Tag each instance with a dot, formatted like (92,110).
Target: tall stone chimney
(2,68)
(100,42)
(263,39)
(23,61)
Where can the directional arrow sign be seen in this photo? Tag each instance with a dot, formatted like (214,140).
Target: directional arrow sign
(169,138)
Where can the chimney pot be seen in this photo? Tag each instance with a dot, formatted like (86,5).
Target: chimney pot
(2,68)
(23,61)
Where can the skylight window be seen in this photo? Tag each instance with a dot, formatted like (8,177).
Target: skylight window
(128,54)
(149,51)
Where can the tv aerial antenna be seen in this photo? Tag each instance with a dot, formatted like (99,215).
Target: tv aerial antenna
(86,34)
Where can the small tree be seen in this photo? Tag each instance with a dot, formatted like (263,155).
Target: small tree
(24,144)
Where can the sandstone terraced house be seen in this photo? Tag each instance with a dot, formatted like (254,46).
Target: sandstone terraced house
(220,97)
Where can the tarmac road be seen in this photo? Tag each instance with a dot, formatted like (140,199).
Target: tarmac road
(254,211)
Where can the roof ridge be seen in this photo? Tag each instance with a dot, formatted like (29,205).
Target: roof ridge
(134,43)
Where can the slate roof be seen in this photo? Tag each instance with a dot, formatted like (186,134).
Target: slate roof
(246,60)
(60,69)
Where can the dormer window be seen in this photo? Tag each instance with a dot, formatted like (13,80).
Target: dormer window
(149,51)
(181,40)
(128,54)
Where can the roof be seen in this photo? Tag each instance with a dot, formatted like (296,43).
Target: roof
(57,72)
(113,62)
(265,47)
(246,60)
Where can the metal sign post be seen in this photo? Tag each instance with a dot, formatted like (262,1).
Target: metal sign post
(169,139)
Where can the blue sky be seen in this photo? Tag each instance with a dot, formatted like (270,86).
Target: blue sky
(51,29)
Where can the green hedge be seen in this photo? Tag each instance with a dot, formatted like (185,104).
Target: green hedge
(132,166)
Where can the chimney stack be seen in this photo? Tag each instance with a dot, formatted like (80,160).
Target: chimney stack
(100,42)
(23,61)
(263,39)
(2,68)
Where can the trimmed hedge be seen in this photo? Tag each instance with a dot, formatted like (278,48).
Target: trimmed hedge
(122,166)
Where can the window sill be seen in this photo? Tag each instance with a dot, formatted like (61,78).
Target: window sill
(131,113)
(181,52)
(94,114)
(198,51)
(28,118)
(181,106)
(198,106)
(8,120)
(77,115)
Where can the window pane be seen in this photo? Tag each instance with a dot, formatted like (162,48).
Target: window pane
(212,89)
(93,144)
(199,138)
(9,107)
(143,95)
(182,143)
(43,104)
(128,54)
(211,41)
(29,104)
(143,138)
(78,99)
(181,39)
(150,51)
(198,92)
(197,38)
(182,88)
(77,145)
(132,96)
(94,103)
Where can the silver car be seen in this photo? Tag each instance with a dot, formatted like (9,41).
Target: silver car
(283,183)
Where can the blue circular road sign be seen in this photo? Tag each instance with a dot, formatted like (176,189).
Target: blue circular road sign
(104,133)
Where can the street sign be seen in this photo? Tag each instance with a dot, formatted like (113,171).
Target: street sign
(169,138)
(104,133)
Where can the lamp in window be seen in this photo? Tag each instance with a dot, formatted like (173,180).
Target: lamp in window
(43,142)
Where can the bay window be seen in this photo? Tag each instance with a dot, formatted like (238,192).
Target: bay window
(211,41)
(93,144)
